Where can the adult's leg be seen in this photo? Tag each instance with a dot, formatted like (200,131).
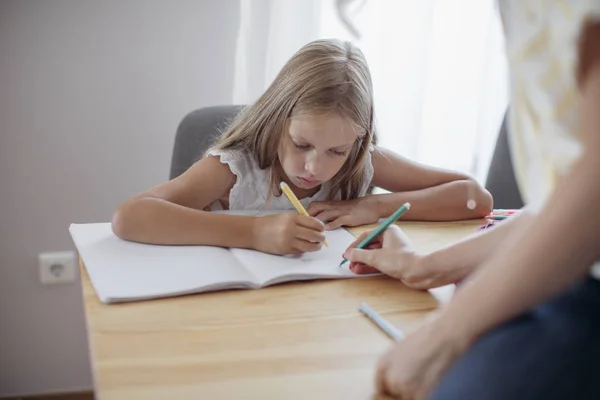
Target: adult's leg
(552,352)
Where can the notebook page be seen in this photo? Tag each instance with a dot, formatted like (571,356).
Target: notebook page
(269,268)
(121,270)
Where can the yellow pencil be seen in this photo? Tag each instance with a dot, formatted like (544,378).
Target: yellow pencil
(290,195)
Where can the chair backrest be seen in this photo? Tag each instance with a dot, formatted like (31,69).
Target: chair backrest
(196,132)
(500,181)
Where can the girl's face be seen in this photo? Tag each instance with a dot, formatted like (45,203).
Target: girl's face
(315,147)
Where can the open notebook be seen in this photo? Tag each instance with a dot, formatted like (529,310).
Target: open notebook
(123,271)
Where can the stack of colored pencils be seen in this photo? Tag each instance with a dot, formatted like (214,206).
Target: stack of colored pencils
(499,215)
(496,216)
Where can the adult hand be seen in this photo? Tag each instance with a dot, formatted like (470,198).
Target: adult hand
(390,253)
(414,366)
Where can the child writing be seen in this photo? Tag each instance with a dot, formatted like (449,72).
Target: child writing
(313,129)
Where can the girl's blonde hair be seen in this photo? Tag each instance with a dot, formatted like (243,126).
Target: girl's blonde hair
(323,76)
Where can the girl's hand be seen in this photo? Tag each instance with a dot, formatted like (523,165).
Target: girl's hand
(288,233)
(335,214)
(414,366)
(390,253)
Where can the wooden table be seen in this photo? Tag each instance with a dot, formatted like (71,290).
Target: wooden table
(302,340)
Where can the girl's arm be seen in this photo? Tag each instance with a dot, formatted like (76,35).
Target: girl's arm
(171,213)
(435,194)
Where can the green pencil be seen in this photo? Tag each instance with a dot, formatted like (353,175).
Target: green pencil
(384,225)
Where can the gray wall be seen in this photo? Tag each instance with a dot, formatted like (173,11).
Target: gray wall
(90,96)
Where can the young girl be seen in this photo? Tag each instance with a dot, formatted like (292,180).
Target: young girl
(313,129)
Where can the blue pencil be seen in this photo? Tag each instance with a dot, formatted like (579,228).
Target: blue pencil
(384,225)
(384,325)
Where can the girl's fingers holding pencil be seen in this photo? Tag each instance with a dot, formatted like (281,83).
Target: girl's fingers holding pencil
(310,222)
(310,235)
(304,246)
(281,233)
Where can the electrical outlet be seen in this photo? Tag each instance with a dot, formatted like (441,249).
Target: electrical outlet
(57,267)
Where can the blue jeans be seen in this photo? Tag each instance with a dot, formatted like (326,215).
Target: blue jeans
(552,352)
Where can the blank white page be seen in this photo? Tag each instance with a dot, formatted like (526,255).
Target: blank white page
(319,264)
(124,271)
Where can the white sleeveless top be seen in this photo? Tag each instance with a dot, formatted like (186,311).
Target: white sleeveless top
(544,125)
(251,189)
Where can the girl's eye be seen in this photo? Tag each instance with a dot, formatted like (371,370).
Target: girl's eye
(339,153)
(300,146)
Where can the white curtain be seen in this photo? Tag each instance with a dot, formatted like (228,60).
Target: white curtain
(438,67)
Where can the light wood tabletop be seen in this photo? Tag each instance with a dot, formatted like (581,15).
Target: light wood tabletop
(302,340)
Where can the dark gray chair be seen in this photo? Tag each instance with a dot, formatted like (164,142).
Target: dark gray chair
(200,128)
(196,132)
(500,181)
